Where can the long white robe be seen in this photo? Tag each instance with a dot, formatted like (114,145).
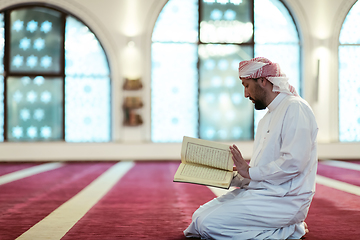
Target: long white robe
(275,202)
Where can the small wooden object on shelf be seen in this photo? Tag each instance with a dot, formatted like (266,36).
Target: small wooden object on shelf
(130,106)
(132,84)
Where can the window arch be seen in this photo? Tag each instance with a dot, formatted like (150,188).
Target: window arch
(55,78)
(196,48)
(349,84)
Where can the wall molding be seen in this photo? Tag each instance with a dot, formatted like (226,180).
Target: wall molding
(62,151)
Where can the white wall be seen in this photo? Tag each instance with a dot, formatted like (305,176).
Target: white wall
(116,22)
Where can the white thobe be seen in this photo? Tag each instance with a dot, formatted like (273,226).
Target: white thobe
(275,202)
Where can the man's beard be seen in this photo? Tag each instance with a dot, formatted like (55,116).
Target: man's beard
(259,105)
(260,102)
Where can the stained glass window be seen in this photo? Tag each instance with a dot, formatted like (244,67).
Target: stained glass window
(349,84)
(83,52)
(276,38)
(87,86)
(224,112)
(174,86)
(174,111)
(35,40)
(57,85)
(226,22)
(2,44)
(177,22)
(227,34)
(34,108)
(87,109)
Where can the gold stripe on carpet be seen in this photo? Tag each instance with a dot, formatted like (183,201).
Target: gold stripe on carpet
(342,164)
(329,182)
(62,219)
(346,187)
(10,177)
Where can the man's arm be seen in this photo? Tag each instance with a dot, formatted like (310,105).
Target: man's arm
(297,138)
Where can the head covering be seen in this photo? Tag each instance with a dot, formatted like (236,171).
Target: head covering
(263,67)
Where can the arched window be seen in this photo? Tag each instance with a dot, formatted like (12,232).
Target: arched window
(196,48)
(55,78)
(349,77)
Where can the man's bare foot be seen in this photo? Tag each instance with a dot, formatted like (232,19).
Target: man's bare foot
(306,228)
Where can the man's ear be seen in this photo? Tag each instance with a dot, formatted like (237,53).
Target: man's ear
(266,84)
(263,81)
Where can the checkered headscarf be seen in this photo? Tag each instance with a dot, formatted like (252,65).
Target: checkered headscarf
(263,67)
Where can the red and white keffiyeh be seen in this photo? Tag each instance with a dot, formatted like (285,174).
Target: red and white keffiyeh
(263,67)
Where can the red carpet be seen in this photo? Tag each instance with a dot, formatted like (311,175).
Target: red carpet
(6,168)
(333,215)
(341,174)
(146,204)
(25,202)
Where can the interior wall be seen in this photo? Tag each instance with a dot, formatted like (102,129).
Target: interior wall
(116,22)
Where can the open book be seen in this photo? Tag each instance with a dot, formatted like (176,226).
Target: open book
(205,162)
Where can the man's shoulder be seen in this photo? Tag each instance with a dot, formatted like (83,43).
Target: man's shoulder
(297,101)
(297,105)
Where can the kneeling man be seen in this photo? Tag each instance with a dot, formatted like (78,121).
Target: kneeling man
(275,191)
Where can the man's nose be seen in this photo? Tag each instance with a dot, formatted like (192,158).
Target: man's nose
(246,94)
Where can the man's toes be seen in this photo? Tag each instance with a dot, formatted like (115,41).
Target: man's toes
(306,227)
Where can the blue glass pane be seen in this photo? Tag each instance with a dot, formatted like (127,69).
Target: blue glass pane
(1,108)
(225,114)
(174,92)
(350,33)
(87,86)
(273,23)
(34,108)
(35,40)
(83,52)
(349,93)
(288,56)
(87,109)
(226,21)
(2,43)
(218,18)
(177,22)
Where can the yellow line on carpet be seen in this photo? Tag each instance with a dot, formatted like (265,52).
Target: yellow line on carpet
(342,164)
(10,177)
(346,187)
(62,219)
(329,182)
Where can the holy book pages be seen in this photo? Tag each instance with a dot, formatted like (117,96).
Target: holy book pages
(205,162)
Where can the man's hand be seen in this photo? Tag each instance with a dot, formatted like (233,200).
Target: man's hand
(241,166)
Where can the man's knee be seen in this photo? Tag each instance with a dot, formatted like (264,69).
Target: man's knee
(207,226)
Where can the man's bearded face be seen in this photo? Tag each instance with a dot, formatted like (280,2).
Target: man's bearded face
(255,92)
